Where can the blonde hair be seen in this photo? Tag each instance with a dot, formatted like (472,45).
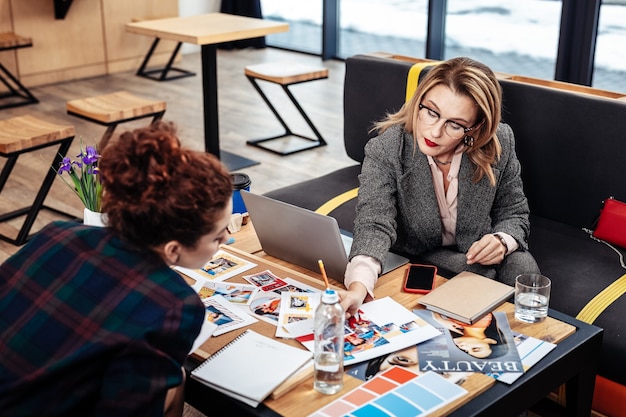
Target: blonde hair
(478,82)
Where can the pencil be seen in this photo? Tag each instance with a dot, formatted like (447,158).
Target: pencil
(323,271)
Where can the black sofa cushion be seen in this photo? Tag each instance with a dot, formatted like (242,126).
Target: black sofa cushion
(572,148)
(581,268)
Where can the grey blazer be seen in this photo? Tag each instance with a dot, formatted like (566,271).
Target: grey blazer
(397,207)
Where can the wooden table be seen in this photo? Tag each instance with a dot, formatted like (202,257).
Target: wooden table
(572,362)
(208,30)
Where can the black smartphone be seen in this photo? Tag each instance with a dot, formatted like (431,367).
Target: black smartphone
(419,279)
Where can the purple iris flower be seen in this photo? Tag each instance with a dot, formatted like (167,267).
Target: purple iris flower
(89,156)
(65,166)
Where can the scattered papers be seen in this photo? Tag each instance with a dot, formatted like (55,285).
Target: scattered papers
(222,266)
(226,316)
(235,293)
(383,326)
(208,328)
(266,304)
(296,313)
(265,280)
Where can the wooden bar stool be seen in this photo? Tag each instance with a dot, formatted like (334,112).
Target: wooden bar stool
(17,94)
(112,109)
(286,74)
(24,134)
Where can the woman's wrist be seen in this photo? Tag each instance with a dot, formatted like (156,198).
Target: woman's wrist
(503,242)
(359,289)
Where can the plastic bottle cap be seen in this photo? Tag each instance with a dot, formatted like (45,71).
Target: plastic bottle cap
(330,296)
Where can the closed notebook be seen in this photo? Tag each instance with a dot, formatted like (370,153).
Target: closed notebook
(467,297)
(250,367)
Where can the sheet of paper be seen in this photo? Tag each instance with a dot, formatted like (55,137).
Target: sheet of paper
(225,315)
(266,304)
(265,280)
(207,330)
(384,326)
(236,293)
(222,266)
(295,308)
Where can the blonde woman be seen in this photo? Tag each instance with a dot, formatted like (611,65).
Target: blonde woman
(441,184)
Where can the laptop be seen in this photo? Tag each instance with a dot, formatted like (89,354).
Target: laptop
(302,237)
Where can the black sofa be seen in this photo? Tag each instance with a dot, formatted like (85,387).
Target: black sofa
(571,143)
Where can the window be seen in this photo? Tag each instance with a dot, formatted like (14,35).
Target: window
(305,24)
(398,27)
(609,71)
(514,37)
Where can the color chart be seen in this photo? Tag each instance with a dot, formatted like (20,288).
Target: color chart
(396,392)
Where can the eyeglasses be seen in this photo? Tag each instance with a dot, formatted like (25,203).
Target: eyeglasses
(452,129)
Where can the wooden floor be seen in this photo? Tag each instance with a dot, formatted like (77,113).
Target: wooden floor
(243,115)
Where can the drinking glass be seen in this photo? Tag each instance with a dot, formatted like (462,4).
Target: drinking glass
(532,296)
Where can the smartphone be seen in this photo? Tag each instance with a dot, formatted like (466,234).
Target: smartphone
(419,278)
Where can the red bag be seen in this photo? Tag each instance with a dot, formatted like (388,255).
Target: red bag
(611,225)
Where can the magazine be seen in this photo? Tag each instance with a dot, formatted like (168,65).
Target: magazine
(530,350)
(486,346)
(383,326)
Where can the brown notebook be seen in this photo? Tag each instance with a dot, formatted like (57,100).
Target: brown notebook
(467,297)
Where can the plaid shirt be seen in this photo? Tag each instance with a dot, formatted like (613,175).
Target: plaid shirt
(90,325)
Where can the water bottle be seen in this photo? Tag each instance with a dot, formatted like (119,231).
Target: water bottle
(329,334)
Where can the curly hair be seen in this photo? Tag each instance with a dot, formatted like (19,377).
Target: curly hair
(478,82)
(156,191)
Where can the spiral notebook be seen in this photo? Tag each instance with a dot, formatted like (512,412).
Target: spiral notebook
(250,367)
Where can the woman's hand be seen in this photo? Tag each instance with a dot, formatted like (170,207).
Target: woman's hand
(489,250)
(352,299)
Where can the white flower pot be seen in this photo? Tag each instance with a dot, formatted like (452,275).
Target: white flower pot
(94,218)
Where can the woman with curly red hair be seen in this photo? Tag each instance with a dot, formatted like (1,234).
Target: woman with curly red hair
(94,321)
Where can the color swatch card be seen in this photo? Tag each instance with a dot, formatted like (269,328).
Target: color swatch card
(397,392)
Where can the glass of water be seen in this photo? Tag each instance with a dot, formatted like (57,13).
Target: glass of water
(532,295)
